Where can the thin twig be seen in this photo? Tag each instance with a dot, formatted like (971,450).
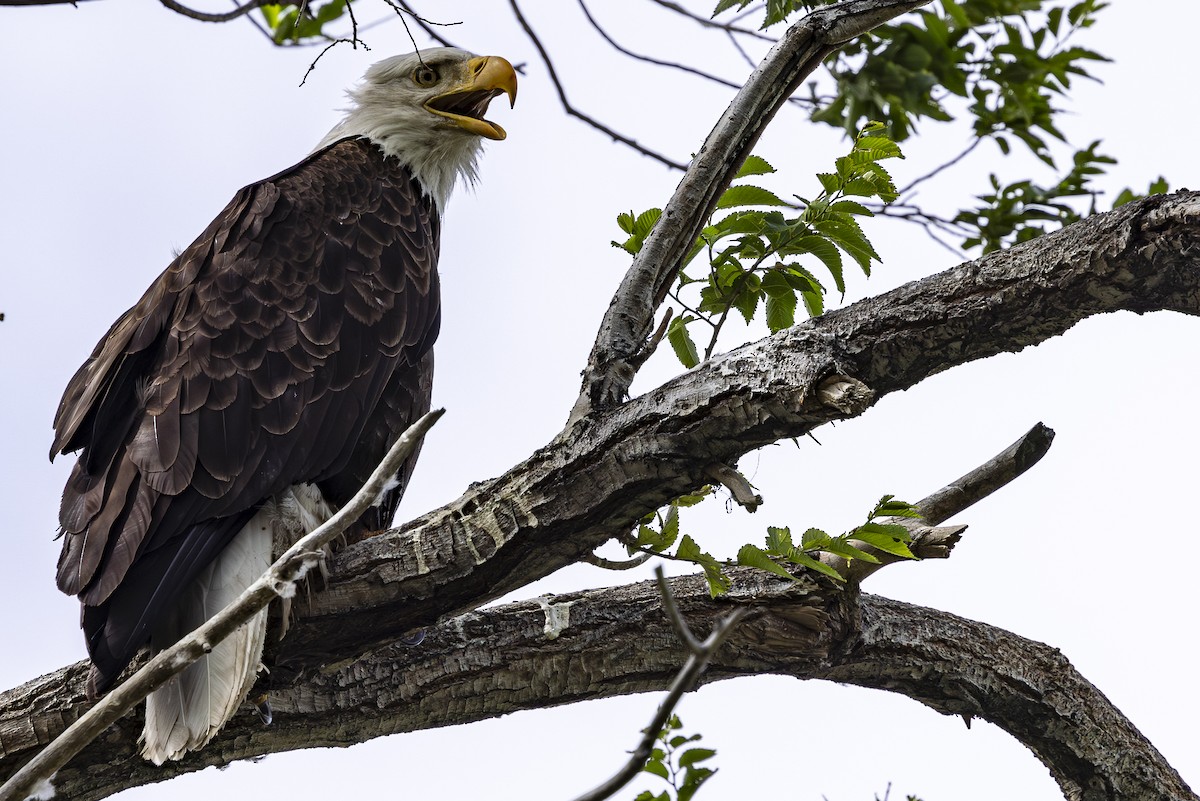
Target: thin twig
(574,112)
(617,564)
(649,59)
(699,655)
(205,16)
(422,23)
(708,23)
(966,152)
(278,582)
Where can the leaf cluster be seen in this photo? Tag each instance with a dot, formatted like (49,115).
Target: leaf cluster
(1023,210)
(660,530)
(678,766)
(296,24)
(761,258)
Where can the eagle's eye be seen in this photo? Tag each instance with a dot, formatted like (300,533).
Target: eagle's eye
(425,75)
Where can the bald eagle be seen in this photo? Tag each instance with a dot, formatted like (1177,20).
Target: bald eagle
(259,381)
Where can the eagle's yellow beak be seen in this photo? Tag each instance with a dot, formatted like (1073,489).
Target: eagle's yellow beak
(465,104)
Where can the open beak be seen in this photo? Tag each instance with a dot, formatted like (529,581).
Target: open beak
(487,77)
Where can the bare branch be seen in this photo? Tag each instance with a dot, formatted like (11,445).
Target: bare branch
(609,370)
(205,16)
(708,23)
(422,23)
(931,541)
(699,655)
(278,582)
(574,112)
(937,170)
(743,494)
(650,60)
(612,564)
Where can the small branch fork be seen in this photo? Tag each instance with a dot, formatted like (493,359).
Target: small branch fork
(278,582)
(699,655)
(611,368)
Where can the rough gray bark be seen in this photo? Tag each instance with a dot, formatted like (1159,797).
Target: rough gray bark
(600,476)
(492,662)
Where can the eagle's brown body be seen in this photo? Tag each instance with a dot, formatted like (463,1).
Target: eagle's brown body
(274,351)
(259,381)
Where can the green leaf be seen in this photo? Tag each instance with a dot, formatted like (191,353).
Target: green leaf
(670,529)
(694,755)
(803,559)
(658,769)
(884,538)
(814,539)
(779,540)
(746,195)
(754,166)
(718,582)
(781,301)
(839,547)
(681,341)
(692,500)
(751,556)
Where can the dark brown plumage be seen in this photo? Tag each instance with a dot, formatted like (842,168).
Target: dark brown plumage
(279,348)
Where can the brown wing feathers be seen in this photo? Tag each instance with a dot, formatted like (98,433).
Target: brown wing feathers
(287,344)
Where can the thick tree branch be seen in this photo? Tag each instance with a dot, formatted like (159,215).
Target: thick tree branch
(499,660)
(604,474)
(598,478)
(614,357)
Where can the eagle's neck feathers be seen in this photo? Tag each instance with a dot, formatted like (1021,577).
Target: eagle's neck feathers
(437,157)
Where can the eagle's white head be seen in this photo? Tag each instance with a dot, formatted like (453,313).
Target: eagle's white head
(426,109)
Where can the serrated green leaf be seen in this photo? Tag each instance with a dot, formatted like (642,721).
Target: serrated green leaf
(752,556)
(746,302)
(814,539)
(884,541)
(803,559)
(658,769)
(754,165)
(781,301)
(746,195)
(779,540)
(670,529)
(839,547)
(814,303)
(851,207)
(681,341)
(829,182)
(718,582)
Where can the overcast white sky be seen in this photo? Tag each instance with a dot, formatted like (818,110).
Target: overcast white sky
(127,128)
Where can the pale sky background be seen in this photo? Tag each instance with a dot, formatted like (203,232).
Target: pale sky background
(127,128)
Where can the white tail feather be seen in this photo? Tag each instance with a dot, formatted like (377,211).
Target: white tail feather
(189,710)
